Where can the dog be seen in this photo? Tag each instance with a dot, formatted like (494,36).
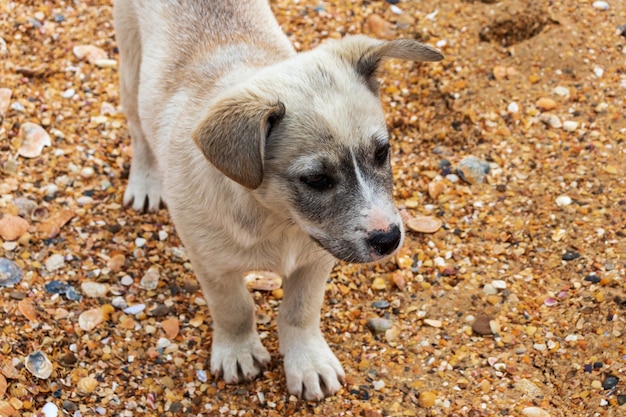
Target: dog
(266,159)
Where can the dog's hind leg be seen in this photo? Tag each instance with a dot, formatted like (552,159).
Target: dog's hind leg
(143,191)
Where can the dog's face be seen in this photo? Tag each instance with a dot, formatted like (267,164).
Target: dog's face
(310,138)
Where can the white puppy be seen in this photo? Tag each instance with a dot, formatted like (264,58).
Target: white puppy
(267,159)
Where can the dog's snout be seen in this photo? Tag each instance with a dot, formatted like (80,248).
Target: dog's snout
(385,242)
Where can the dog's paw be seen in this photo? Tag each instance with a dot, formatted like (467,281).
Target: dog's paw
(143,192)
(240,361)
(312,370)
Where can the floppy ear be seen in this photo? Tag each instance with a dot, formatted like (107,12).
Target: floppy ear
(232,136)
(366,54)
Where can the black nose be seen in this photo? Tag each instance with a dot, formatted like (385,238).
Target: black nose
(385,242)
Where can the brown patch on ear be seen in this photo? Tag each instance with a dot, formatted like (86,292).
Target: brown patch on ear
(366,54)
(232,136)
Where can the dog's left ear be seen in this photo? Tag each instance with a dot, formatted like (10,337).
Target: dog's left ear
(366,54)
(232,136)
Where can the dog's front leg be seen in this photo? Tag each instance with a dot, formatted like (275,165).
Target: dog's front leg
(312,369)
(237,352)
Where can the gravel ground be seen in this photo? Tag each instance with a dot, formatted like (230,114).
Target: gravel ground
(514,305)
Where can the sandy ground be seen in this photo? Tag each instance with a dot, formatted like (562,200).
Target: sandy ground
(515,306)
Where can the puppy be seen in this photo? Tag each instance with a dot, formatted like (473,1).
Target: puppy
(266,159)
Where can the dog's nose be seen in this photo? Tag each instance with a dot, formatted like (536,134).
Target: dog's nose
(385,242)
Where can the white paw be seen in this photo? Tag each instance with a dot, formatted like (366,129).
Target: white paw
(143,191)
(312,369)
(240,361)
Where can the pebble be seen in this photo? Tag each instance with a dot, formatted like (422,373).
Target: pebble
(424,224)
(263,280)
(513,107)
(472,170)
(379,284)
(50,410)
(119,302)
(87,172)
(69,93)
(489,289)
(201,375)
(116,262)
(90,52)
(55,262)
(546,104)
(90,319)
(435,188)
(94,289)
(528,387)
(140,242)
(621,31)
(427,399)
(135,309)
(127,280)
(105,63)
(5,100)
(570,255)
(499,284)
(28,309)
(600,5)
(481,325)
(535,412)
(378,325)
(378,385)
(39,365)
(381,304)
(150,280)
(34,139)
(171,327)
(10,273)
(87,385)
(561,91)
(594,279)
(84,200)
(570,125)
(563,201)
(610,382)
(551,120)
(69,405)
(433,323)
(379,27)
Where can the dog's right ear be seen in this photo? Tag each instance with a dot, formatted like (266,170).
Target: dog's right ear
(232,136)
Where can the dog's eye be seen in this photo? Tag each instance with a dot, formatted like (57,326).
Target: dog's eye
(318,182)
(382,154)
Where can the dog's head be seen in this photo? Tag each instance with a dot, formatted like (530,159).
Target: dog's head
(308,135)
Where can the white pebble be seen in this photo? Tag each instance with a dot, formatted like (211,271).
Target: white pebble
(162,235)
(535,412)
(441,43)
(489,289)
(87,172)
(600,5)
(135,309)
(162,343)
(50,410)
(561,91)
(127,280)
(499,284)
(84,200)
(570,125)
(201,375)
(395,9)
(452,178)
(513,107)
(571,338)
(599,71)
(54,262)
(433,323)
(140,242)
(68,93)
(378,385)
(563,201)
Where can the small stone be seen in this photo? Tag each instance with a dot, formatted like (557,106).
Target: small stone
(10,273)
(489,289)
(135,309)
(28,309)
(116,262)
(570,125)
(159,310)
(378,385)
(561,91)
(55,262)
(433,323)
(150,280)
(570,255)
(513,107)
(68,359)
(5,100)
(171,327)
(535,412)
(140,242)
(94,289)
(39,365)
(105,63)
(383,304)
(621,31)
(595,384)
(34,139)
(87,172)
(399,280)
(68,405)
(427,399)
(379,284)
(499,72)
(87,385)
(84,200)
(12,227)
(550,301)
(499,284)
(610,382)
(424,224)
(472,170)
(435,188)
(263,280)
(529,388)
(551,120)
(69,93)
(90,319)
(127,280)
(378,325)
(379,27)
(481,325)
(563,201)
(90,52)
(546,104)
(50,410)
(600,5)
(594,279)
